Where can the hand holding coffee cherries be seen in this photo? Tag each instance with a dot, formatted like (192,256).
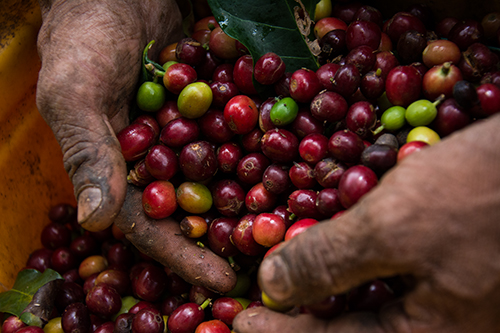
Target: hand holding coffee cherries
(432,220)
(91,59)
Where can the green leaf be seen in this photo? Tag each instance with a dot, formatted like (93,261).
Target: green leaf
(32,296)
(269,26)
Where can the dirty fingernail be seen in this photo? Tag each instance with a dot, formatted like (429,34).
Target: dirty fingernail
(88,201)
(275,278)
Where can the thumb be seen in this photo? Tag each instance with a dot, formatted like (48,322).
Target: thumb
(333,256)
(94,162)
(90,66)
(77,112)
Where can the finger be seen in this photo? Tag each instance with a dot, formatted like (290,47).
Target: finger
(91,58)
(264,320)
(163,241)
(334,256)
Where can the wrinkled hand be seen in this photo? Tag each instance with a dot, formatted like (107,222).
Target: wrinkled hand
(91,55)
(435,217)
(91,58)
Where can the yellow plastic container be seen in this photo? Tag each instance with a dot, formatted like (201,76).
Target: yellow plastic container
(32,176)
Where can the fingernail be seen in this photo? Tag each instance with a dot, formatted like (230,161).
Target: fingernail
(88,201)
(275,278)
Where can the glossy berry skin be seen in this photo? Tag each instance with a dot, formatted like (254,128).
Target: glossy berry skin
(299,227)
(241,114)
(420,113)
(302,203)
(268,229)
(185,318)
(63,260)
(198,161)
(225,309)
(346,146)
(219,234)
(178,76)
(402,22)
(440,80)
(302,175)
(355,183)
(328,172)
(466,33)
(259,200)
(243,75)
(228,157)
(305,124)
(361,118)
(276,179)
(304,85)
(450,117)
(150,283)
(329,106)
(363,57)
(346,80)
(269,68)
(135,140)
(158,199)
(409,148)
(12,324)
(214,127)
(212,326)
(328,202)
(228,197)
(243,239)
(103,300)
(161,162)
(251,141)
(403,85)
(363,32)
(379,158)
(179,132)
(251,168)
(284,112)
(75,318)
(280,145)
(148,320)
(223,92)
(313,148)
(489,98)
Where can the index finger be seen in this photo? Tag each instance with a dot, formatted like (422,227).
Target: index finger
(163,241)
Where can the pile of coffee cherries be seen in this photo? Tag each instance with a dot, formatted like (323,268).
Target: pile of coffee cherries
(246,154)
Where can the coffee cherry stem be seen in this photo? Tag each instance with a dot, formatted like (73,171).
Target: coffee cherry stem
(205,303)
(438,100)
(233,264)
(378,129)
(150,68)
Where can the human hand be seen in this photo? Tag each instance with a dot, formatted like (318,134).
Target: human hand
(434,218)
(91,54)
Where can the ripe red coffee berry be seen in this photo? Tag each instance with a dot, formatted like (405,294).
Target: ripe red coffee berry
(304,85)
(158,199)
(268,229)
(241,114)
(269,68)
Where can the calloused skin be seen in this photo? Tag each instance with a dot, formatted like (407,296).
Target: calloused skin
(91,52)
(435,217)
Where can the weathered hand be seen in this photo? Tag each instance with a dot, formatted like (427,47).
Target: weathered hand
(435,217)
(91,58)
